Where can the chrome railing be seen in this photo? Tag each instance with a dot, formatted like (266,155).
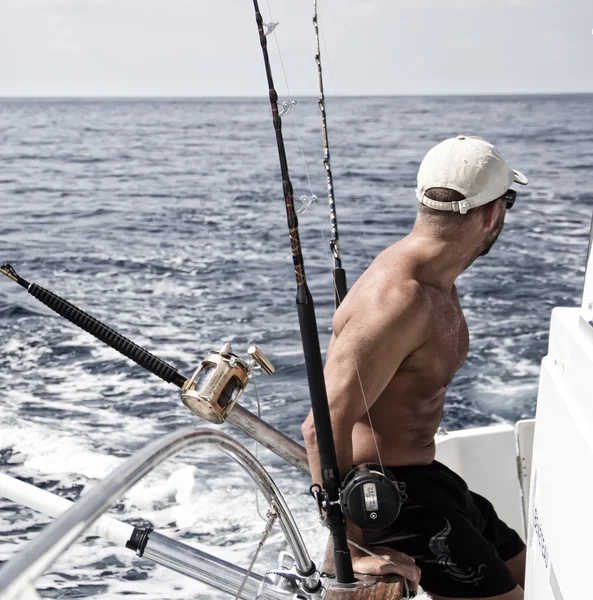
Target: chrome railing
(31,562)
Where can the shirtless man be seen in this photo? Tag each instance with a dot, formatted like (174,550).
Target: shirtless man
(399,337)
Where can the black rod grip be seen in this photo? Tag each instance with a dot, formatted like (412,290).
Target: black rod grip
(107,335)
(325,437)
(340,286)
(317,390)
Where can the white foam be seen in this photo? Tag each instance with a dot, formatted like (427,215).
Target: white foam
(46,452)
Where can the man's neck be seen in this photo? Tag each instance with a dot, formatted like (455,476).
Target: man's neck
(439,260)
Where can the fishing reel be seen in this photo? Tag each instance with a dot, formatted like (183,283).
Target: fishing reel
(219,381)
(371,497)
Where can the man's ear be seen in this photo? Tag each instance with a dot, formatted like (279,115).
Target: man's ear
(491,214)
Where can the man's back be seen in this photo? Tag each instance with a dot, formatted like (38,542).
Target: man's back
(407,413)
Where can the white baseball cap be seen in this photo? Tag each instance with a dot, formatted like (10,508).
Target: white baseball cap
(470,166)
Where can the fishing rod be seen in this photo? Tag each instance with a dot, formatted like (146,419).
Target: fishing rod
(339,274)
(211,392)
(311,348)
(370,497)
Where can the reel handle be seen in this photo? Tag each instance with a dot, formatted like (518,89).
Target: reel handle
(259,358)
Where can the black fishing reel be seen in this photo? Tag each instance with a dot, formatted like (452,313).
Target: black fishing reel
(219,381)
(371,497)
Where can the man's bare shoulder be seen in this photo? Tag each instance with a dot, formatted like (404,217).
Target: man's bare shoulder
(390,294)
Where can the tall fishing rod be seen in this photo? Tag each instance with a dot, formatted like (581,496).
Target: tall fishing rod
(339,274)
(311,348)
(213,390)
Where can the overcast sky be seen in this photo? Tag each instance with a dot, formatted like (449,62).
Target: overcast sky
(211,48)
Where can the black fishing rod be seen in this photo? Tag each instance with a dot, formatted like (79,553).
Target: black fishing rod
(311,348)
(339,274)
(97,329)
(211,392)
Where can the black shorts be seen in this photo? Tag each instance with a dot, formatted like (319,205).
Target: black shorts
(454,535)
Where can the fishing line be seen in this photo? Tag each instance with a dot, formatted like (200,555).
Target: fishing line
(312,196)
(339,280)
(366,405)
(309,332)
(297,132)
(255,450)
(339,291)
(339,283)
(272,516)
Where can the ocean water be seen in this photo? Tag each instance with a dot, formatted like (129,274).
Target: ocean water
(165,219)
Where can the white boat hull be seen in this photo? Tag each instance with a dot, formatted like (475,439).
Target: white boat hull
(539,473)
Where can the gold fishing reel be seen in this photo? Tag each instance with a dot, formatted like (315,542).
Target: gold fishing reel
(219,381)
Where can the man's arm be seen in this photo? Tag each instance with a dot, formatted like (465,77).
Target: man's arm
(361,361)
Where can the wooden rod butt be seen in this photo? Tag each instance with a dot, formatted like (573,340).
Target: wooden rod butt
(388,587)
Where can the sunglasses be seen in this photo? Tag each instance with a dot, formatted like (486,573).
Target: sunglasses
(509,198)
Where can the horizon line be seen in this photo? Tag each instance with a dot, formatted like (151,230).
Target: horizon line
(302,96)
